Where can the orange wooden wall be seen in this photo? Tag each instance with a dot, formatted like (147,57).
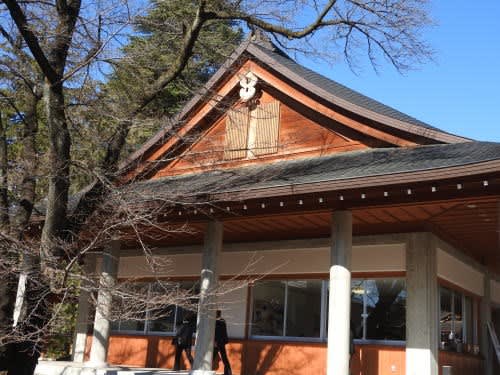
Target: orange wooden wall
(462,364)
(254,357)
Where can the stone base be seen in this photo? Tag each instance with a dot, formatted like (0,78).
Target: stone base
(86,368)
(202,372)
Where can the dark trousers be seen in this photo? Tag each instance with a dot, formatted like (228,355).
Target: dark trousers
(178,356)
(221,350)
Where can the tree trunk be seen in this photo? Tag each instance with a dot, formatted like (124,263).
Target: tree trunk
(4,199)
(57,198)
(40,269)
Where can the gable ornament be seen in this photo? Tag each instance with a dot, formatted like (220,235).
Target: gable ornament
(247,84)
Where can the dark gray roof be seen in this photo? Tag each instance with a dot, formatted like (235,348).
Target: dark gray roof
(340,90)
(349,165)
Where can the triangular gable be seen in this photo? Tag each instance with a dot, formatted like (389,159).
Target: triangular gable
(286,132)
(325,116)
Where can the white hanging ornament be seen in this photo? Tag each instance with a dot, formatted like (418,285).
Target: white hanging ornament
(248,83)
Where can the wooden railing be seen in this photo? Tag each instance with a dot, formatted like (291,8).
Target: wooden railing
(494,340)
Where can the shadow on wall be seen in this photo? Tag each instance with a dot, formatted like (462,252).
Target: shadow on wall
(268,358)
(263,357)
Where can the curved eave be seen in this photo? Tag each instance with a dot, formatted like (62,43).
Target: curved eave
(374,181)
(354,108)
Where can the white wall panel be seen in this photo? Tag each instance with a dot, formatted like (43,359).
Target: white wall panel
(459,273)
(495,291)
(232,300)
(365,258)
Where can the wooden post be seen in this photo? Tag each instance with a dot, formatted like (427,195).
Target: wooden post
(339,313)
(206,308)
(422,330)
(100,338)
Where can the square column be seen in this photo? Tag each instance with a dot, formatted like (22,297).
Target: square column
(205,330)
(339,308)
(82,317)
(100,337)
(422,310)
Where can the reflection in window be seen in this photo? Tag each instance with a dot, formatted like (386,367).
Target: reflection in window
(288,308)
(303,313)
(358,308)
(268,308)
(457,321)
(378,309)
(299,308)
(159,319)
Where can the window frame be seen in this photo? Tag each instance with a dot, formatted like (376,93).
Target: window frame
(283,337)
(323,338)
(147,320)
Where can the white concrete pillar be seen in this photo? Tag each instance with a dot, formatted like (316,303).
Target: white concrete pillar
(207,305)
(422,310)
(485,317)
(82,317)
(339,308)
(100,337)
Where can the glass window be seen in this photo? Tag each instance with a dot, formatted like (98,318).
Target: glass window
(299,308)
(358,314)
(386,309)
(458,317)
(268,308)
(156,317)
(163,319)
(468,334)
(303,313)
(378,309)
(446,318)
(457,321)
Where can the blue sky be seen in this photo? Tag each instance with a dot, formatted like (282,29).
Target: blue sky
(460,91)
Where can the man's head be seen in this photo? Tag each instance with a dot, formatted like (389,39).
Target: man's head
(218,314)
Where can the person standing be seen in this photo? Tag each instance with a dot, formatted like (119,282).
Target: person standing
(221,340)
(183,341)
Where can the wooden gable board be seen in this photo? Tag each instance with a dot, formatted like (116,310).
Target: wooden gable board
(298,136)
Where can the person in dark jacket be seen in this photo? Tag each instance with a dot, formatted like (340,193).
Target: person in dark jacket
(221,340)
(183,340)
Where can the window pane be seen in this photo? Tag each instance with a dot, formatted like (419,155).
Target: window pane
(164,321)
(446,319)
(303,318)
(468,324)
(132,325)
(268,308)
(386,309)
(458,318)
(129,307)
(357,291)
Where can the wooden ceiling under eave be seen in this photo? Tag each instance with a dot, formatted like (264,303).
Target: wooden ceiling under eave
(469,224)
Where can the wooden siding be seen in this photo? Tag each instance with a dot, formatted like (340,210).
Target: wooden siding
(236,137)
(462,364)
(253,357)
(267,124)
(299,136)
